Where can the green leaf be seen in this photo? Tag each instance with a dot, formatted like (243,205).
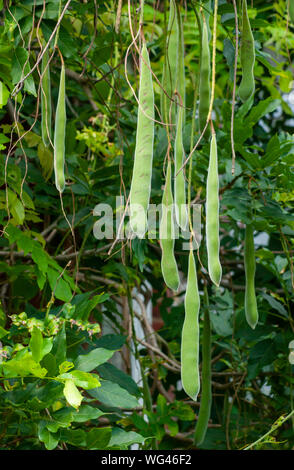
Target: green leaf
(50,440)
(81,379)
(109,372)
(98,438)
(36,344)
(4,95)
(113,395)
(275,304)
(22,366)
(86,413)
(20,68)
(40,257)
(59,346)
(121,438)
(89,362)
(72,394)
(65,366)
(59,286)
(3,332)
(46,160)
(60,419)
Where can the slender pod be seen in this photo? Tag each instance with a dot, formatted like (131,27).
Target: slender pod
(212,215)
(142,170)
(251,311)
(206,5)
(291,10)
(46,108)
(180,77)
(247,85)
(59,134)
(166,231)
(190,334)
(179,181)
(169,72)
(206,394)
(204,82)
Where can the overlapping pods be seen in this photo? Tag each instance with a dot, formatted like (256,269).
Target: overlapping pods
(179,153)
(142,170)
(169,266)
(169,72)
(205,69)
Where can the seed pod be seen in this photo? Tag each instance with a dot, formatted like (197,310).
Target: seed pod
(59,134)
(190,334)
(251,311)
(169,72)
(166,231)
(46,108)
(180,76)
(179,182)
(291,10)
(204,82)
(212,215)
(247,85)
(142,170)
(206,395)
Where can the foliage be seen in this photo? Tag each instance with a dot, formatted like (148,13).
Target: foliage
(57,386)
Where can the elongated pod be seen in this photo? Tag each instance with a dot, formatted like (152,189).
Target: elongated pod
(180,77)
(179,181)
(59,134)
(190,334)
(291,10)
(212,215)
(169,71)
(46,108)
(206,394)
(166,232)
(247,85)
(204,82)
(251,311)
(142,170)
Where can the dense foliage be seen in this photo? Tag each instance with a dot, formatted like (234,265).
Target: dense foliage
(71,304)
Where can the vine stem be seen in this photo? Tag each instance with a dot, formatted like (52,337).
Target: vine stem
(18,86)
(272,429)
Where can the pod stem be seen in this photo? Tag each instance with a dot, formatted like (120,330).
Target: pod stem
(206,395)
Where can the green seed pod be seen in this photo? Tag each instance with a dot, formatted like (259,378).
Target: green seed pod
(46,108)
(206,395)
(247,85)
(180,77)
(179,182)
(204,82)
(166,232)
(59,134)
(142,170)
(291,10)
(190,334)
(251,311)
(212,215)
(169,72)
